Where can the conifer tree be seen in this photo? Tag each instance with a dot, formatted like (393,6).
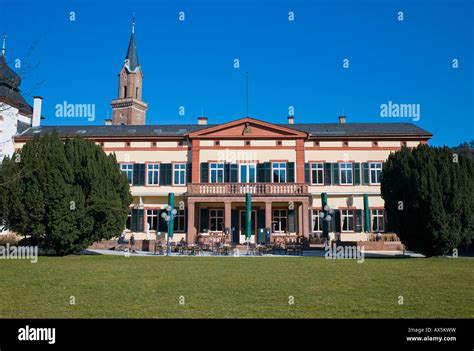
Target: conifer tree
(63,195)
(428,198)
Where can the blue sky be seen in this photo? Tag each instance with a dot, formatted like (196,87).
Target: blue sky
(298,63)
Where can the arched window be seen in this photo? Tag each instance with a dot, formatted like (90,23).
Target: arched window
(136,92)
(124,91)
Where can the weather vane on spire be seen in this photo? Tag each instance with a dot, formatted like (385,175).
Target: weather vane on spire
(4,44)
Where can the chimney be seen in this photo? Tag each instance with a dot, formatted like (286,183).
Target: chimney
(291,119)
(342,119)
(37,102)
(108,121)
(202,120)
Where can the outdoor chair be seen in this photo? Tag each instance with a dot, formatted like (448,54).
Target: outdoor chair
(159,248)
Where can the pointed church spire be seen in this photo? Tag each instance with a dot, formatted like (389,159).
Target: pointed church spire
(4,44)
(132,56)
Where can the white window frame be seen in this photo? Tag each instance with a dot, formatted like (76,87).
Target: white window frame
(282,213)
(279,166)
(127,169)
(348,169)
(215,215)
(379,215)
(375,166)
(318,167)
(154,215)
(216,167)
(317,219)
(179,168)
(350,215)
(155,170)
(249,166)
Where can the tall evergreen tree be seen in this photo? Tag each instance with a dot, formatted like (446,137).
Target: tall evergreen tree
(428,198)
(63,195)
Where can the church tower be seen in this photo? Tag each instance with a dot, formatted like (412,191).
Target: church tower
(129,108)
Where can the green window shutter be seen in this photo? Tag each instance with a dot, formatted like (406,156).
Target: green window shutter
(204,220)
(358,221)
(261,172)
(162,225)
(138,174)
(365,173)
(189,168)
(292,218)
(337,217)
(307,173)
(166,174)
(137,220)
(356,170)
(335,173)
(268,172)
(290,170)
(226,172)
(234,173)
(327,174)
(204,172)
(235,226)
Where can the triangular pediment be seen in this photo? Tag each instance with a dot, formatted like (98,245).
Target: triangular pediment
(247,128)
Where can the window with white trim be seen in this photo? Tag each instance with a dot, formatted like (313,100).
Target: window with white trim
(347,219)
(279,172)
(280,219)
(375,172)
(127,169)
(217,172)
(152,219)
(248,173)
(377,220)
(317,224)
(216,220)
(153,173)
(179,174)
(346,172)
(317,173)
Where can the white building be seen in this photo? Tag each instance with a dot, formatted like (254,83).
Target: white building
(16,115)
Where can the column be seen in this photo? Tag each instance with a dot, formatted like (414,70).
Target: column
(300,160)
(195,164)
(268,217)
(228,218)
(305,206)
(192,232)
(300,219)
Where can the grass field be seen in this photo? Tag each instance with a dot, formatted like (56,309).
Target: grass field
(116,286)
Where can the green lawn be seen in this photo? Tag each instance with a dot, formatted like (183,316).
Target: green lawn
(116,286)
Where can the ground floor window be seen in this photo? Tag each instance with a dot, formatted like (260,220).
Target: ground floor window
(347,218)
(216,220)
(280,218)
(317,225)
(180,221)
(377,220)
(152,219)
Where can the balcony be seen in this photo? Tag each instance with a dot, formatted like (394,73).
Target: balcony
(264,189)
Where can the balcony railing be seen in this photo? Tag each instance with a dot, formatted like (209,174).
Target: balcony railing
(243,188)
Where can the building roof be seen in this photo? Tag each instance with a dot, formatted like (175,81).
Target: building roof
(359,129)
(177,130)
(132,55)
(10,83)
